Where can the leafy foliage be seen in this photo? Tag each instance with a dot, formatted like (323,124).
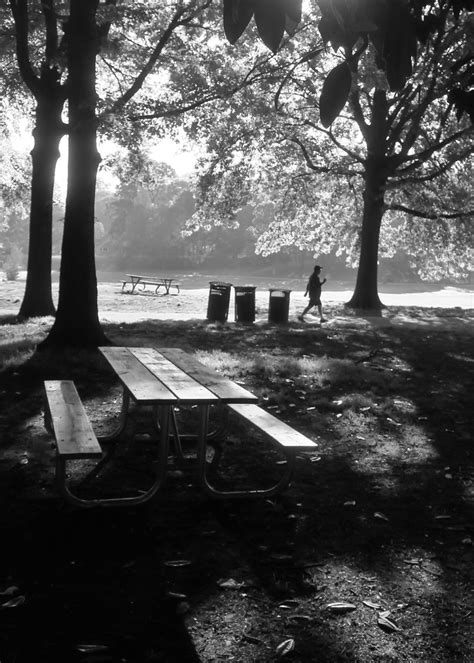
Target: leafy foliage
(272,18)
(312,177)
(391,28)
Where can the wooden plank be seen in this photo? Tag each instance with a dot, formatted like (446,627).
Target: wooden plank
(277,430)
(144,387)
(72,428)
(183,386)
(222,387)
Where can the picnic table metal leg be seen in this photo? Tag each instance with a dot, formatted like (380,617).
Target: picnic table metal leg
(177,438)
(217,432)
(161,414)
(135,282)
(211,490)
(118,430)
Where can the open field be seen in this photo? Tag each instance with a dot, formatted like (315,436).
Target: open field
(191,303)
(380,518)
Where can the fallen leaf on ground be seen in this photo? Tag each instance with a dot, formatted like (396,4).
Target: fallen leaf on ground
(91,648)
(381,516)
(14,603)
(341,606)
(285,647)
(386,624)
(230,583)
(289,603)
(371,604)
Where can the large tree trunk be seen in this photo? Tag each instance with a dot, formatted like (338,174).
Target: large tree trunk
(365,295)
(77,320)
(49,129)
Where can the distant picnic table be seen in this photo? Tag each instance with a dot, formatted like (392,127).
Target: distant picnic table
(156,282)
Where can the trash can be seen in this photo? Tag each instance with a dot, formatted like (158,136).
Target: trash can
(244,303)
(218,304)
(279,305)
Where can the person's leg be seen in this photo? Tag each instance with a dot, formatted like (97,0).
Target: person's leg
(320,311)
(310,305)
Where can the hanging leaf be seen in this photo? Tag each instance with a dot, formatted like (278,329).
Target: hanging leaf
(237,15)
(335,93)
(293,9)
(341,606)
(270,18)
(285,647)
(399,48)
(330,31)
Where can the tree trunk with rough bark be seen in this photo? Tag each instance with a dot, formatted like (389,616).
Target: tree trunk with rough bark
(377,172)
(49,129)
(365,296)
(77,320)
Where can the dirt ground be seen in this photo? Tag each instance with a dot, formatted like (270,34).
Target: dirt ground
(366,557)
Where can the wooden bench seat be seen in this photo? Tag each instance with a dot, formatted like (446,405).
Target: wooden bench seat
(278,431)
(67,420)
(289,441)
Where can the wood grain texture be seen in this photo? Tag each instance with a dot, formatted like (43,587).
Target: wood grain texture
(182,385)
(226,390)
(72,428)
(142,385)
(277,430)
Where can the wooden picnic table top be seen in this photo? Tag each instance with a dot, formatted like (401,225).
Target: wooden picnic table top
(169,375)
(226,390)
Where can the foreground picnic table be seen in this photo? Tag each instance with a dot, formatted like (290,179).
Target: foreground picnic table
(134,280)
(160,379)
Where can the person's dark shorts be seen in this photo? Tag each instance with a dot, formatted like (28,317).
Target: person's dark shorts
(315,300)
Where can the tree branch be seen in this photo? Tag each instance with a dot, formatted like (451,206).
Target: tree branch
(51,30)
(415,160)
(175,22)
(426,215)
(320,169)
(19,9)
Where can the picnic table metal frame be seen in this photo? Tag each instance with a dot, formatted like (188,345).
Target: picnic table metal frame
(165,378)
(160,282)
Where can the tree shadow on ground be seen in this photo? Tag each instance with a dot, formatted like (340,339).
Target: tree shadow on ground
(368,520)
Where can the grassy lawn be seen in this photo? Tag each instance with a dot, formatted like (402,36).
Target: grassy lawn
(380,518)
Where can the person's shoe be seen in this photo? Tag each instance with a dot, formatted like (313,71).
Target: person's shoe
(301,317)
(323,320)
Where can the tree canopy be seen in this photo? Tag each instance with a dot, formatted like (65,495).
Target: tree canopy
(382,154)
